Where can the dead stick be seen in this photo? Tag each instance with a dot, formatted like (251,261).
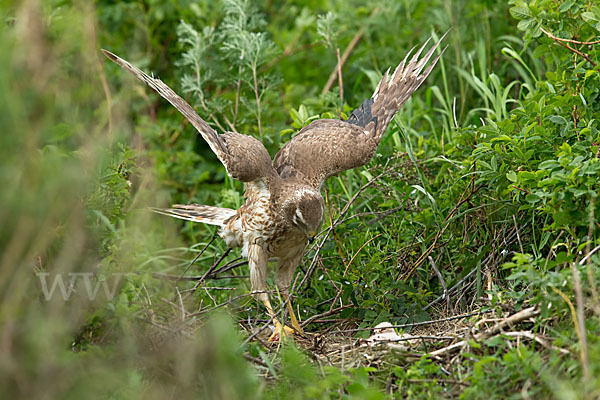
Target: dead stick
(585,363)
(325,314)
(343,60)
(340,82)
(513,319)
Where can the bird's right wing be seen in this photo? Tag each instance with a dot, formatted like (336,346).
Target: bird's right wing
(244,157)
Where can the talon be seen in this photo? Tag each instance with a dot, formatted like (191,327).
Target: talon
(287,332)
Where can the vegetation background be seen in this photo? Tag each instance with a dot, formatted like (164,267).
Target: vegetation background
(487,177)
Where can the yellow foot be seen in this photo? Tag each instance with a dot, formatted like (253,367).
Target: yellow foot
(286,332)
(297,328)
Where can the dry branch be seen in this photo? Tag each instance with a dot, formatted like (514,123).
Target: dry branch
(513,319)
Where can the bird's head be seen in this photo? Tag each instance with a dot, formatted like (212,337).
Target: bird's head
(304,211)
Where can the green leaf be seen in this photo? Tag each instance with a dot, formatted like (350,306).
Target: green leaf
(286,131)
(511,176)
(295,117)
(526,175)
(303,113)
(562,257)
(565,148)
(591,19)
(562,218)
(525,24)
(557,119)
(532,198)
(520,12)
(548,164)
(566,5)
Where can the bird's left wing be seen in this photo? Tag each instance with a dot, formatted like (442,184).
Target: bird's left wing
(327,147)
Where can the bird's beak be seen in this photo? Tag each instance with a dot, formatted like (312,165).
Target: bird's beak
(311,236)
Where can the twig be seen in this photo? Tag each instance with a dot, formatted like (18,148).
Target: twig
(422,338)
(437,380)
(562,43)
(183,312)
(441,279)
(534,337)
(581,319)
(343,60)
(518,236)
(588,252)
(440,232)
(213,276)
(503,253)
(212,268)
(325,314)
(196,258)
(412,325)
(381,214)
(340,290)
(238,262)
(550,35)
(358,251)
(340,81)
(230,124)
(231,300)
(256,360)
(104,82)
(513,319)
(237,96)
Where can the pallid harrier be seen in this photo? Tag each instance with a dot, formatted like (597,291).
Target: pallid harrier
(284,207)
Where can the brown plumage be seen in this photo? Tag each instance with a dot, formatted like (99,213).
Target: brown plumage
(283,206)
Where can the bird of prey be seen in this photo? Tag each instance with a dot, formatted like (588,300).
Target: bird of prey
(283,205)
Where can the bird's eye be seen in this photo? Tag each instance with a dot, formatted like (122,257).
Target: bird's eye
(299,215)
(296,221)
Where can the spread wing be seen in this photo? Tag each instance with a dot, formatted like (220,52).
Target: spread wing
(327,147)
(244,157)
(324,148)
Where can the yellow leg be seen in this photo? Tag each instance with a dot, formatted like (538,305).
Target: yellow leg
(293,319)
(280,330)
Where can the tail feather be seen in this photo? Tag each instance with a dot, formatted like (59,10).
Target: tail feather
(198,213)
(376,113)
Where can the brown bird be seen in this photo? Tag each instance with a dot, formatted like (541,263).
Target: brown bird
(283,205)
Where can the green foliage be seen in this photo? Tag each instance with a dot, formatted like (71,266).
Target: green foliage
(302,380)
